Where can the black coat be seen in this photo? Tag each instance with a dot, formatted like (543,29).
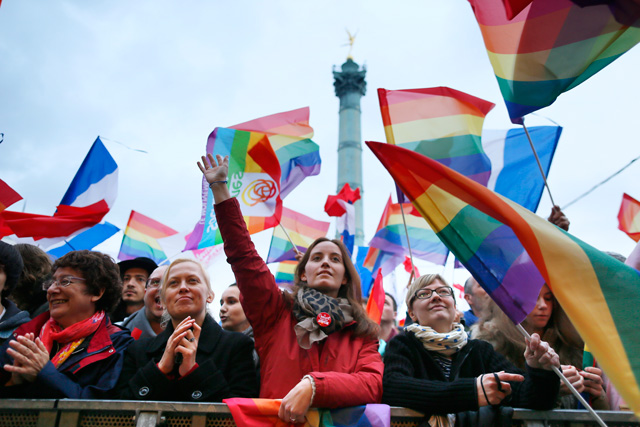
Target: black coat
(413,379)
(225,368)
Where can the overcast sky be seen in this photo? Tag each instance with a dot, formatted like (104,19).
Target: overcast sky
(159,75)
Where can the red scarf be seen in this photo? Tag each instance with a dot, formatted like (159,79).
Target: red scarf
(69,338)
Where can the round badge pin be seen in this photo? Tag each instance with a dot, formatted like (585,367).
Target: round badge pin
(323,319)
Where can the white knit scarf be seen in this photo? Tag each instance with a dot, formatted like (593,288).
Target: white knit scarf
(446,344)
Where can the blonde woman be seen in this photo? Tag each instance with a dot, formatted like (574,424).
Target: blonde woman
(193,359)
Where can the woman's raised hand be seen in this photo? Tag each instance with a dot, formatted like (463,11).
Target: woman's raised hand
(539,354)
(216,174)
(214,171)
(178,339)
(493,387)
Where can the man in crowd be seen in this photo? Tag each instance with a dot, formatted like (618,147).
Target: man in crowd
(477,299)
(134,274)
(146,322)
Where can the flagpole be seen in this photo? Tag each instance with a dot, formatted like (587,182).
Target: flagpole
(295,248)
(544,178)
(599,184)
(567,383)
(406,231)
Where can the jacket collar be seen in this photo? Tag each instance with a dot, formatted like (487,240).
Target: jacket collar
(456,363)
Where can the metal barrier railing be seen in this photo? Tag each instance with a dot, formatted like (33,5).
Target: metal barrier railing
(77,413)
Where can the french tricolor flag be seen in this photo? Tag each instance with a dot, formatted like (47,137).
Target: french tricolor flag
(88,199)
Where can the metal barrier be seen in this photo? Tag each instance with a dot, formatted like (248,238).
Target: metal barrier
(77,413)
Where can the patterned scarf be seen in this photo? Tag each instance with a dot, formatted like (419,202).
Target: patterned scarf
(69,338)
(446,344)
(318,316)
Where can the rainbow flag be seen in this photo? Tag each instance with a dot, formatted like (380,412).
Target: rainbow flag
(375,304)
(377,258)
(140,238)
(302,230)
(441,123)
(8,196)
(264,413)
(512,252)
(549,48)
(290,136)
(629,217)
(254,179)
(285,274)
(424,242)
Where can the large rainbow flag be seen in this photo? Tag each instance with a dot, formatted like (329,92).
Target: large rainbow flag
(254,179)
(302,230)
(629,217)
(140,238)
(264,413)
(290,136)
(441,123)
(393,238)
(549,48)
(512,252)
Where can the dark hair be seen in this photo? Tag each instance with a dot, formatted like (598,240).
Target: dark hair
(351,290)
(393,300)
(11,264)
(28,295)
(99,271)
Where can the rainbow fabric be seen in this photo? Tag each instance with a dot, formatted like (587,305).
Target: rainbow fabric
(375,303)
(441,123)
(393,238)
(254,179)
(290,136)
(549,48)
(264,413)
(377,258)
(629,217)
(512,252)
(140,238)
(285,274)
(302,230)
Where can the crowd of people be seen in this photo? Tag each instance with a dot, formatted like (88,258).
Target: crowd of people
(86,327)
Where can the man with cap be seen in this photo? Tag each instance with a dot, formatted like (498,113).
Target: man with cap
(134,274)
(10,269)
(147,322)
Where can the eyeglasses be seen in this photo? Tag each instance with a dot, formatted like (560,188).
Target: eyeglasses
(153,283)
(61,283)
(444,291)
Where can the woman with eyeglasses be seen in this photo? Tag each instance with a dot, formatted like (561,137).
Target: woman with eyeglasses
(72,350)
(316,345)
(433,367)
(193,359)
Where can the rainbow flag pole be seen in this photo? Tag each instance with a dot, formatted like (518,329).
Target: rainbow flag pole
(567,383)
(295,247)
(406,231)
(544,177)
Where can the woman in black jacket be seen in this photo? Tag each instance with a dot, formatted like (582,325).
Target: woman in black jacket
(193,359)
(434,368)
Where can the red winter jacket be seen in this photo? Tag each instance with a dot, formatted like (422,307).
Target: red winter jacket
(347,369)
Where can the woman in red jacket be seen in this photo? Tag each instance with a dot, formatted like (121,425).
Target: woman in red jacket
(316,345)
